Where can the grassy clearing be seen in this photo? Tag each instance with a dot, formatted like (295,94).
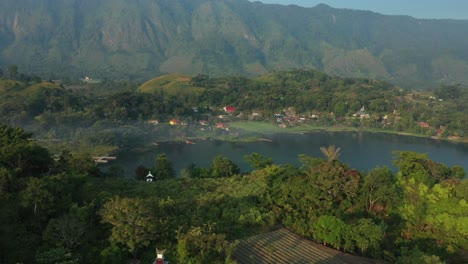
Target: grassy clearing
(258,127)
(6,85)
(172,84)
(268,128)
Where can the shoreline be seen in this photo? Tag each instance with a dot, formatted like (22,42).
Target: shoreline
(310,129)
(252,131)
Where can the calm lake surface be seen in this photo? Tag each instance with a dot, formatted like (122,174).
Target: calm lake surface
(361,150)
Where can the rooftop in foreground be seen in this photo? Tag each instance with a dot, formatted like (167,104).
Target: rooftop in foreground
(283,246)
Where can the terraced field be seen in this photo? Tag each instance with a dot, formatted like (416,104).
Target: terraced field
(283,246)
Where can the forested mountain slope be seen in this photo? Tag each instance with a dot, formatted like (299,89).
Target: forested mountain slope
(139,39)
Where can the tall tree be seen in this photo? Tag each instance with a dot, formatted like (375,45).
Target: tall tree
(330,230)
(163,168)
(141,172)
(411,165)
(204,245)
(22,156)
(223,167)
(334,184)
(331,152)
(133,222)
(380,192)
(367,235)
(66,231)
(37,197)
(258,161)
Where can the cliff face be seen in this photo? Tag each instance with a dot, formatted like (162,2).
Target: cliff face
(144,38)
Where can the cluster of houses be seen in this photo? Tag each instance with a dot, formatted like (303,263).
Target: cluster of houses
(204,124)
(439,132)
(287,118)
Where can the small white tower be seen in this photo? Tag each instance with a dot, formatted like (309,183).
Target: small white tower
(160,257)
(149,177)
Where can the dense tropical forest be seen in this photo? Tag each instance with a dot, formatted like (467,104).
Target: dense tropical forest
(58,206)
(63,209)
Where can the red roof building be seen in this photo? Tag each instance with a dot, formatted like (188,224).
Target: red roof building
(229,109)
(221,126)
(423,124)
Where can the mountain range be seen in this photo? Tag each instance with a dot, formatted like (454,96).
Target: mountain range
(140,39)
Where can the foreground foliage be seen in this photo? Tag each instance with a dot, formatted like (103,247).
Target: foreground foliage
(70,212)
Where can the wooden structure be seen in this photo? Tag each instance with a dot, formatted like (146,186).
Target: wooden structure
(283,246)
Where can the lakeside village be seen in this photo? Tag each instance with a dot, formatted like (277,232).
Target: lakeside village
(217,121)
(289,118)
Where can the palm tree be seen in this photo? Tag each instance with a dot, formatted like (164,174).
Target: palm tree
(331,152)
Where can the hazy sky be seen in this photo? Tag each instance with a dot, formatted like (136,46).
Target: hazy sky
(455,9)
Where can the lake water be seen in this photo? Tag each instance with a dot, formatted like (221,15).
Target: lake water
(361,150)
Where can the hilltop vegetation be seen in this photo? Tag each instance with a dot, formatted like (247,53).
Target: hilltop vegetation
(173,84)
(137,40)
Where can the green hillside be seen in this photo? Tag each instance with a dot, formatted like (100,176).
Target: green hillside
(6,85)
(176,84)
(34,88)
(12,87)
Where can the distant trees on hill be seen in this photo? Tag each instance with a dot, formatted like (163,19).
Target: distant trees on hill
(95,113)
